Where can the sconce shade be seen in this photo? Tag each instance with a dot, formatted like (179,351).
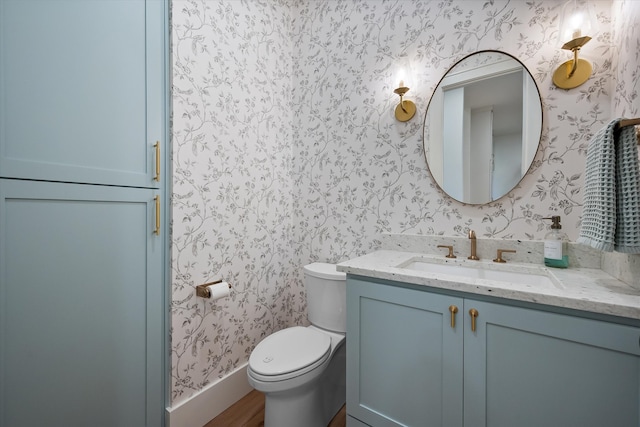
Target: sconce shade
(575,20)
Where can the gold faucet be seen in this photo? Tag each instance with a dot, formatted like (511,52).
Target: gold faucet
(472,236)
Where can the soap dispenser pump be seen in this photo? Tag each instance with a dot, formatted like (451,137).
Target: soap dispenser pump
(555,245)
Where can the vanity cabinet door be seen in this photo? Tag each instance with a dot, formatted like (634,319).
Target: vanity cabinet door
(533,368)
(404,358)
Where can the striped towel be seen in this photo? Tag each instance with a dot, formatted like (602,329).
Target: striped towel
(611,211)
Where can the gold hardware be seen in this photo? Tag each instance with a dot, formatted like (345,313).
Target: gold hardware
(453,310)
(450,254)
(575,18)
(203,290)
(628,122)
(573,72)
(157,229)
(473,313)
(406,109)
(157,147)
(631,122)
(472,236)
(500,252)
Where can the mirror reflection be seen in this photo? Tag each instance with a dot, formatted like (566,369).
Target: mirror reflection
(482,127)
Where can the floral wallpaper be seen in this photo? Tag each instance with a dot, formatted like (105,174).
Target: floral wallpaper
(286,150)
(626,59)
(232,183)
(626,102)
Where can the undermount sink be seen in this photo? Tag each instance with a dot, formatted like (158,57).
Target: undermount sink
(537,279)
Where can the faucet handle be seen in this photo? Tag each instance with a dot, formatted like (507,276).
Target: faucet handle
(500,252)
(450,254)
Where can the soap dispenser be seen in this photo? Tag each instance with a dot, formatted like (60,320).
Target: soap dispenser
(555,245)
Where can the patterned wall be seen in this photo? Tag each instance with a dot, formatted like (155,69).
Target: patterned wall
(232,183)
(625,103)
(626,58)
(286,150)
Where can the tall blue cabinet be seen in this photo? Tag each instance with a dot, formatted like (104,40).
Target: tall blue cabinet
(83,186)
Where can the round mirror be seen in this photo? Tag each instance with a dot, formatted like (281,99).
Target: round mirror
(482,128)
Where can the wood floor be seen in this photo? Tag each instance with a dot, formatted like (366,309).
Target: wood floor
(249,412)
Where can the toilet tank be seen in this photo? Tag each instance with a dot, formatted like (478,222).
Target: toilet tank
(326,296)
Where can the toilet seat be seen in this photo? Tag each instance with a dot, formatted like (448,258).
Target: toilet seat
(289,353)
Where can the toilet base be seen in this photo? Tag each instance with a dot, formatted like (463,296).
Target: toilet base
(313,404)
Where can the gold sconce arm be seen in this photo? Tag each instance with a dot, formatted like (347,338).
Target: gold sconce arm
(576,71)
(406,109)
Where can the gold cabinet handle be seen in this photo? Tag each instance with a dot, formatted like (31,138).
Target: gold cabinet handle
(473,313)
(453,310)
(156,231)
(157,147)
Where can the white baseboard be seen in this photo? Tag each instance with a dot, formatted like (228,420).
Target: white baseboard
(209,402)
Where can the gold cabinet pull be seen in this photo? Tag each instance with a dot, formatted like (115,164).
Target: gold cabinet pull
(453,310)
(157,147)
(473,313)
(156,231)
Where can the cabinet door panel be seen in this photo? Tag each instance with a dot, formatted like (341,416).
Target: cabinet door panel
(404,360)
(532,368)
(81,307)
(81,90)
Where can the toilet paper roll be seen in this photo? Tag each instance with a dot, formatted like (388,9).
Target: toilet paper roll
(219,290)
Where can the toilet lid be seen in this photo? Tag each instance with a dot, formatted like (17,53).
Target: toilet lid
(289,350)
(322,270)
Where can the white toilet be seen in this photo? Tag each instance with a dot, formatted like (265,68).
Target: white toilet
(302,370)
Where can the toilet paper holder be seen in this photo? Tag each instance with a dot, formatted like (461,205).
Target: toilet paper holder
(203,290)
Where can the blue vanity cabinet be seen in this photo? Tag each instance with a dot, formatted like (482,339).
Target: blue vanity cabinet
(404,359)
(81,90)
(521,365)
(530,367)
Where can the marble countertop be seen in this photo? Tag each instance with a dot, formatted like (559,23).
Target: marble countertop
(585,289)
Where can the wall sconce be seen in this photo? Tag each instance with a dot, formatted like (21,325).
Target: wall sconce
(406,109)
(575,20)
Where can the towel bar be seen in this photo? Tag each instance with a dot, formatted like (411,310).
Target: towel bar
(631,122)
(628,122)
